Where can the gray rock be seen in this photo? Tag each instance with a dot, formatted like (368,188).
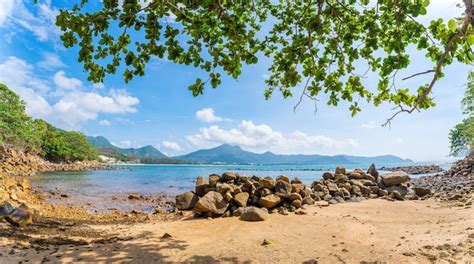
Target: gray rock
(20,217)
(186,201)
(283,189)
(373,171)
(395,178)
(6,209)
(212,202)
(254,214)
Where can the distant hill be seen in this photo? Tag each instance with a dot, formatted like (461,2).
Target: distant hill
(106,148)
(235,155)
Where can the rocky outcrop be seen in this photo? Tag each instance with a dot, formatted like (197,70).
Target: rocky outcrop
(453,187)
(16,162)
(235,194)
(416,169)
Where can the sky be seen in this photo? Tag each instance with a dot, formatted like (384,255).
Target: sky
(157,109)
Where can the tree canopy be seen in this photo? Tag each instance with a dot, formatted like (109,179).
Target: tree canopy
(313,43)
(461,137)
(35,135)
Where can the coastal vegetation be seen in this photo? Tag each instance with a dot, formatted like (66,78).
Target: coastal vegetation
(20,130)
(461,137)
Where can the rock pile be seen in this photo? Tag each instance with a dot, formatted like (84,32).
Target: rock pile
(15,193)
(254,197)
(416,169)
(454,186)
(17,162)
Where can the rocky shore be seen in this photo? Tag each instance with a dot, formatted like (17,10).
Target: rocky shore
(254,198)
(21,163)
(455,186)
(415,169)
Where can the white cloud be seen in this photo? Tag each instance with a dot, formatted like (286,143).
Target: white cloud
(371,125)
(51,61)
(68,108)
(207,115)
(105,122)
(98,85)
(170,145)
(66,83)
(262,138)
(15,15)
(6,8)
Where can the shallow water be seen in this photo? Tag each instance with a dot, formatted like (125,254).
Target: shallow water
(97,187)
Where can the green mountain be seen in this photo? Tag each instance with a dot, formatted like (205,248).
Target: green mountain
(235,155)
(106,148)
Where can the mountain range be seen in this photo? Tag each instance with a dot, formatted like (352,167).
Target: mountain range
(227,154)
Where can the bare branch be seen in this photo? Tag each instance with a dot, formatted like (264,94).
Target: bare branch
(416,74)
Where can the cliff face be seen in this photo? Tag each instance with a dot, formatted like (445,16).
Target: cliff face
(20,163)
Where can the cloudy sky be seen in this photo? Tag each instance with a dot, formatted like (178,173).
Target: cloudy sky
(158,109)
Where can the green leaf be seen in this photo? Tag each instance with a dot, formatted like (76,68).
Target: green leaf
(452,25)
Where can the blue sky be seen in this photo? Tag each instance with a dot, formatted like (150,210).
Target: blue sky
(158,109)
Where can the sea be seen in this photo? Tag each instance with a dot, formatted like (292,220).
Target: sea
(96,188)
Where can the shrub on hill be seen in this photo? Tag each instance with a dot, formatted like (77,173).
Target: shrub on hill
(38,136)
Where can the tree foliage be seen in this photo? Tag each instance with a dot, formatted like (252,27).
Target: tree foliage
(38,136)
(16,127)
(316,43)
(461,137)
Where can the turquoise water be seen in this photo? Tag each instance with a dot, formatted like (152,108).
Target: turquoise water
(165,179)
(98,187)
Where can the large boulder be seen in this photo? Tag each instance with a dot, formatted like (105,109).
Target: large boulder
(267,182)
(186,201)
(212,202)
(20,217)
(201,186)
(373,171)
(283,189)
(328,176)
(213,179)
(229,176)
(283,178)
(241,199)
(395,178)
(254,214)
(340,170)
(270,201)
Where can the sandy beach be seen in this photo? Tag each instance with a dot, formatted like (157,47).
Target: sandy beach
(373,231)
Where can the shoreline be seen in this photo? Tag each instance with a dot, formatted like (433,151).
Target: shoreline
(369,230)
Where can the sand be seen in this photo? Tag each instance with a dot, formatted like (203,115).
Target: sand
(372,230)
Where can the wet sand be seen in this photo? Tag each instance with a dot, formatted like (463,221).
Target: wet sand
(372,230)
